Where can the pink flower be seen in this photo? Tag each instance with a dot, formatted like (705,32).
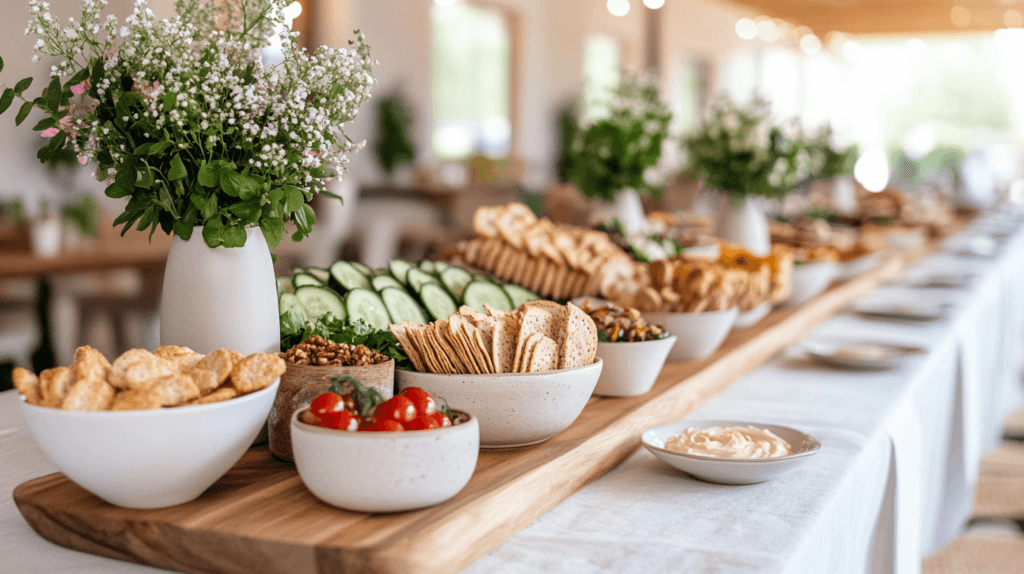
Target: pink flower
(77,90)
(83,160)
(49,132)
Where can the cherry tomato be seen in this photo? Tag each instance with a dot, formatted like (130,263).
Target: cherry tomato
(441,419)
(344,420)
(397,408)
(425,404)
(423,422)
(386,425)
(327,404)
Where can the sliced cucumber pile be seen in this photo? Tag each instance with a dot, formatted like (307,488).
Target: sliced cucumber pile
(418,293)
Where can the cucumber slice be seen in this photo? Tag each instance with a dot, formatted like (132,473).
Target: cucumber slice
(440,266)
(302,279)
(482,277)
(290,303)
(519,295)
(456,279)
(478,293)
(382,282)
(427,265)
(368,306)
(285,285)
(346,275)
(401,306)
(361,268)
(417,278)
(437,301)
(399,269)
(322,274)
(379,272)
(320,301)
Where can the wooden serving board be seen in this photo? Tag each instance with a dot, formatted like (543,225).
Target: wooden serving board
(260,517)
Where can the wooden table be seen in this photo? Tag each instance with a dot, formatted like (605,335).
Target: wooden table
(106,252)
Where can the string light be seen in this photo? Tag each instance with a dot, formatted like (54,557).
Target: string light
(810,44)
(654,4)
(618,7)
(746,29)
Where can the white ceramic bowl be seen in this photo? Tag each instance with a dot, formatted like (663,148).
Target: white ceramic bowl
(152,458)
(385,471)
(729,470)
(810,279)
(859,266)
(753,316)
(514,409)
(698,334)
(630,369)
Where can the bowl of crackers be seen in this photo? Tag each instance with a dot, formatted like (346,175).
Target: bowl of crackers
(150,429)
(525,374)
(633,350)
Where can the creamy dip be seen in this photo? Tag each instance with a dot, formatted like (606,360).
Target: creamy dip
(868,352)
(730,442)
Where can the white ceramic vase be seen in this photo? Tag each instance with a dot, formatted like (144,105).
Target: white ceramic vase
(45,234)
(843,195)
(745,225)
(220,297)
(629,209)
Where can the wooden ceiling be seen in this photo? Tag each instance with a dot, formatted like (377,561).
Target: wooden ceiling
(893,16)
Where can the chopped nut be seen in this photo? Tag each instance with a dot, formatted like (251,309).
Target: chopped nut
(320,352)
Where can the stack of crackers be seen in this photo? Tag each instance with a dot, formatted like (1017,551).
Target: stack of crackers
(738,279)
(171,376)
(555,261)
(539,336)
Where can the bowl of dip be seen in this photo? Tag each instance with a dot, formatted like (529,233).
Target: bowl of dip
(729,452)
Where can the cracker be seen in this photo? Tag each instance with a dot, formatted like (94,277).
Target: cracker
(580,347)
(437,335)
(528,347)
(480,347)
(137,368)
(139,399)
(453,336)
(27,384)
(256,372)
(90,364)
(206,380)
(544,356)
(89,395)
(54,385)
(185,358)
(221,394)
(418,337)
(220,362)
(401,332)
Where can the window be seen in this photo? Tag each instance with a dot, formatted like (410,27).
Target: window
(601,74)
(470,82)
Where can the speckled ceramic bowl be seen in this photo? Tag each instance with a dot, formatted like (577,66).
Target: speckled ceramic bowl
(514,409)
(753,316)
(394,471)
(630,369)
(698,334)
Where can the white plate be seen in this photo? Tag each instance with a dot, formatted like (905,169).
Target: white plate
(729,470)
(945,280)
(857,354)
(903,310)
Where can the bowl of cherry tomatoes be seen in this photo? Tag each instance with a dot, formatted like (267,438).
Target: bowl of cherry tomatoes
(368,455)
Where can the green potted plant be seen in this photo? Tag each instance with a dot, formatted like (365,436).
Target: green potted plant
(394,144)
(740,153)
(615,158)
(206,142)
(834,166)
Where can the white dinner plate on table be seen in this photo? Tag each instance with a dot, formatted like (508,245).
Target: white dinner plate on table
(858,353)
(732,471)
(945,280)
(918,310)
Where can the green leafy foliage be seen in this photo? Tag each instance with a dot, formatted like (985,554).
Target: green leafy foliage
(394,122)
(827,160)
(295,329)
(621,151)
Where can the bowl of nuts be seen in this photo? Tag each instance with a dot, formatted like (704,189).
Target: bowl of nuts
(311,366)
(632,349)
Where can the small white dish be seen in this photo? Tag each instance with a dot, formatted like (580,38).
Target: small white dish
(859,266)
(945,280)
(858,354)
(152,458)
(733,471)
(920,310)
(514,409)
(698,335)
(753,316)
(630,369)
(385,471)
(810,279)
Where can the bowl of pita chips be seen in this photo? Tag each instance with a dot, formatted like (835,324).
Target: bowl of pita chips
(151,429)
(525,374)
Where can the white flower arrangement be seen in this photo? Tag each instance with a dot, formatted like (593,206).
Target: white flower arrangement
(738,150)
(182,116)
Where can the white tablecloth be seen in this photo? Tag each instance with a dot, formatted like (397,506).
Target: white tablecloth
(891,483)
